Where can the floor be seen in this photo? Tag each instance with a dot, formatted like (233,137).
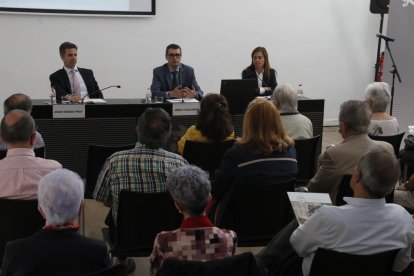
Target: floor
(95,212)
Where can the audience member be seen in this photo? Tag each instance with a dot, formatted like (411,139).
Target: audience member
(377,97)
(20,170)
(296,125)
(23,102)
(261,71)
(72,81)
(197,239)
(264,153)
(142,169)
(354,119)
(404,194)
(174,79)
(366,225)
(57,249)
(214,122)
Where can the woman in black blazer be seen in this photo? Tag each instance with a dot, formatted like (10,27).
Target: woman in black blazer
(260,70)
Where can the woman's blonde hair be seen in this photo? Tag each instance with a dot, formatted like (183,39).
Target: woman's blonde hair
(263,131)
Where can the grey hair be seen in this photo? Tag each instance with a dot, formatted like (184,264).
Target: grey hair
(17,101)
(356,116)
(190,187)
(379,94)
(19,129)
(60,194)
(380,171)
(154,128)
(286,98)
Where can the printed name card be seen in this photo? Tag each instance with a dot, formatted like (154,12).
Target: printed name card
(68,111)
(186,108)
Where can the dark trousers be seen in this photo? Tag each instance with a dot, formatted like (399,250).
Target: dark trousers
(279,257)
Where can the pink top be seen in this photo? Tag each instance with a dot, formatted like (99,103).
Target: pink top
(20,172)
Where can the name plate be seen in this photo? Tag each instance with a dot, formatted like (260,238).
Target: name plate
(68,111)
(186,108)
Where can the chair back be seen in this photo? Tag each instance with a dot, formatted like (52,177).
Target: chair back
(116,270)
(329,262)
(394,140)
(19,219)
(141,216)
(345,190)
(97,155)
(306,154)
(207,156)
(256,211)
(39,152)
(244,264)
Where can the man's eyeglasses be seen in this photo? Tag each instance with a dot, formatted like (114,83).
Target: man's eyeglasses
(174,55)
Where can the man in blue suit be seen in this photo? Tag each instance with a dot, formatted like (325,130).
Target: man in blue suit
(174,79)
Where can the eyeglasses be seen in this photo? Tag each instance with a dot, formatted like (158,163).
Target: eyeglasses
(174,55)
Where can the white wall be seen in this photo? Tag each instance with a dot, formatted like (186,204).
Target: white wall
(328,45)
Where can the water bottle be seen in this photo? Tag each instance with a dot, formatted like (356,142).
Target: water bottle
(148,95)
(300,90)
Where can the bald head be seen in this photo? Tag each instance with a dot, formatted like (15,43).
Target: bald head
(17,101)
(17,129)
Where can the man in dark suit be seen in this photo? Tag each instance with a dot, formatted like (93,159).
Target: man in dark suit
(78,83)
(174,79)
(57,249)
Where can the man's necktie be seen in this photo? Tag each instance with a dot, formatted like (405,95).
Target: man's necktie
(76,83)
(174,80)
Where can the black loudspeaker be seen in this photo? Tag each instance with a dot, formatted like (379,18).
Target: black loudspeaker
(379,6)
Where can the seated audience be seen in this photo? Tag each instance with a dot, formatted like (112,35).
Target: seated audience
(197,239)
(142,169)
(57,249)
(366,225)
(214,122)
(23,102)
(20,170)
(404,194)
(354,119)
(297,126)
(377,97)
(264,153)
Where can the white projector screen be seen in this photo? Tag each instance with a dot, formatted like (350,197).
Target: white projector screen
(95,7)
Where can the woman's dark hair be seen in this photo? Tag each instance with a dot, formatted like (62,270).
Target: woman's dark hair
(214,119)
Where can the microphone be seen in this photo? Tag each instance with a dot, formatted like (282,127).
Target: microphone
(117,86)
(386,38)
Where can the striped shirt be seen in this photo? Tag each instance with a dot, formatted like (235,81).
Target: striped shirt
(140,169)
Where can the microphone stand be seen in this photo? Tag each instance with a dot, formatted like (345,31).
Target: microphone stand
(377,65)
(181,85)
(394,72)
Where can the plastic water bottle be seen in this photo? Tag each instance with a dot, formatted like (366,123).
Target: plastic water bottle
(148,95)
(300,90)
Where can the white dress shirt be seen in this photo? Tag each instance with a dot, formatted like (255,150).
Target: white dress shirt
(363,226)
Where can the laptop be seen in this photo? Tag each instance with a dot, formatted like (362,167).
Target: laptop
(239,93)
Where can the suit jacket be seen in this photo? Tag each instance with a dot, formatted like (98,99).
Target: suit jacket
(60,81)
(268,81)
(55,252)
(162,81)
(339,160)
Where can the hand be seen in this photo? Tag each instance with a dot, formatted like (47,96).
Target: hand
(401,187)
(189,93)
(177,92)
(74,99)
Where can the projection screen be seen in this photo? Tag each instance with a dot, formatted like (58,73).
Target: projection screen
(80,7)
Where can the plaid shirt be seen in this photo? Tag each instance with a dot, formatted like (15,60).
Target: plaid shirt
(140,169)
